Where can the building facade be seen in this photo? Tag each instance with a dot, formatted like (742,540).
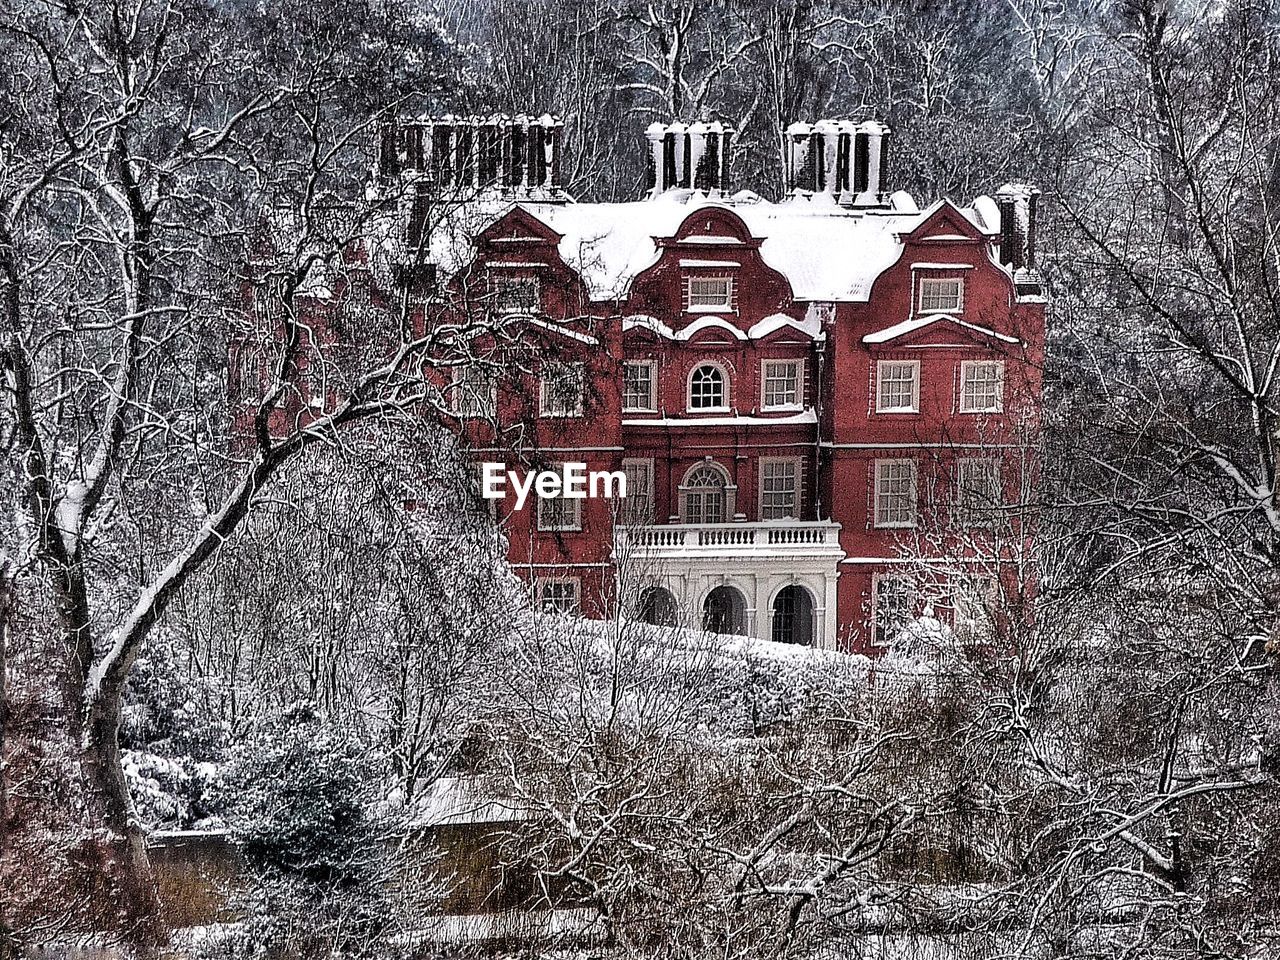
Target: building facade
(805,396)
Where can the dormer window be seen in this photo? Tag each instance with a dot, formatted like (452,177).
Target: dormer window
(704,294)
(941,294)
(515,295)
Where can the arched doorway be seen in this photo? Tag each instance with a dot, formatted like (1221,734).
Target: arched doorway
(793,616)
(725,611)
(658,607)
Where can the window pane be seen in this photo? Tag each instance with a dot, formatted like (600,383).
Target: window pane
(559,513)
(978,493)
(638,387)
(562,389)
(981,387)
(779,486)
(781,383)
(637,508)
(895,603)
(897,389)
(706,388)
(475,393)
(895,493)
(710,292)
(941,294)
(705,496)
(560,596)
(972,604)
(515,294)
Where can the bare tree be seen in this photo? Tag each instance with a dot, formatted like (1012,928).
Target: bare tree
(150,144)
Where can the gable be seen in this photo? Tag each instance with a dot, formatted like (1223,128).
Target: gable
(517,227)
(714,226)
(944,223)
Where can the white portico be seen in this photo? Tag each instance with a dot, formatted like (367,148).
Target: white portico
(773,580)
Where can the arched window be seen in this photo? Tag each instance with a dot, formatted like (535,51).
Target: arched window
(706,495)
(708,388)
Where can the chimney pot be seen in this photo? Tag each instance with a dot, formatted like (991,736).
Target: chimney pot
(1017,204)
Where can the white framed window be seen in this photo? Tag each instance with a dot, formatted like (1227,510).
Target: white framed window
(706,495)
(972,604)
(783,386)
(708,387)
(560,594)
(709,293)
(895,493)
(515,294)
(637,507)
(563,386)
(978,493)
(639,386)
(941,294)
(897,386)
(779,489)
(559,514)
(981,386)
(893,607)
(475,392)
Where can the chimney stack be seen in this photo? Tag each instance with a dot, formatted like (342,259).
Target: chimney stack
(1017,204)
(840,159)
(459,155)
(692,156)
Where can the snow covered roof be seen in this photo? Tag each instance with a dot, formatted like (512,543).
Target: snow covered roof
(457,800)
(826,251)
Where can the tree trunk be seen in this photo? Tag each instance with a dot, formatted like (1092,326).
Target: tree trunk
(8,947)
(1269,759)
(137,902)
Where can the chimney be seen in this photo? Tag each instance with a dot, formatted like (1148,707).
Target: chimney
(841,159)
(693,156)
(1017,204)
(457,155)
(800,176)
(870,164)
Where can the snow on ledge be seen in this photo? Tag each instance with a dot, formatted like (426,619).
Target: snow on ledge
(565,331)
(646,322)
(804,417)
(809,326)
(704,323)
(919,323)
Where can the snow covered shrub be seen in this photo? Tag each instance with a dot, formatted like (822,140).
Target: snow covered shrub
(297,801)
(297,798)
(173,744)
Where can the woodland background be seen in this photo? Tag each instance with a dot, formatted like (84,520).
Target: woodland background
(199,632)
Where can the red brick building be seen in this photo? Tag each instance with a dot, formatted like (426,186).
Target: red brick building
(802,395)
